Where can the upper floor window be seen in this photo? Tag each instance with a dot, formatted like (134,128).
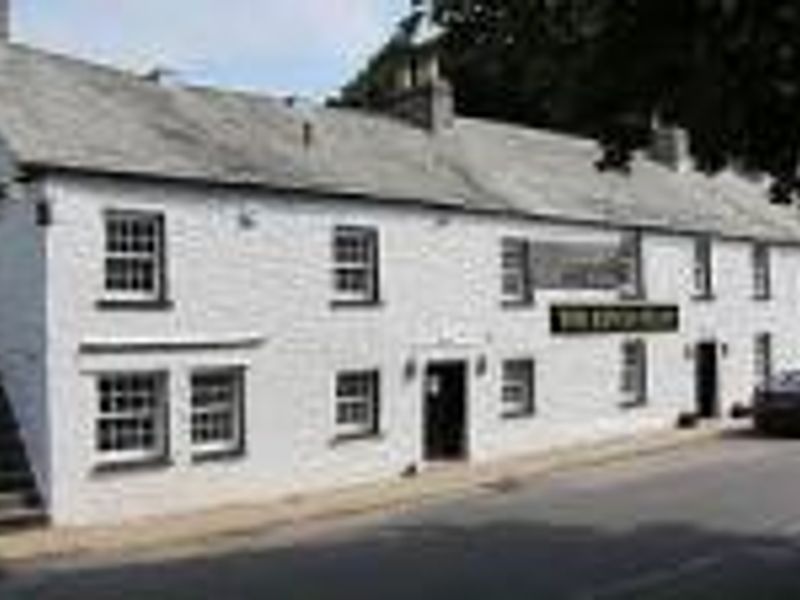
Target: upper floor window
(631,265)
(131,425)
(762,280)
(516,271)
(357,404)
(134,256)
(703,271)
(518,391)
(217,409)
(356,278)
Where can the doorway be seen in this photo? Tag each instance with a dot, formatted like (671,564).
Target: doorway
(707,377)
(445,401)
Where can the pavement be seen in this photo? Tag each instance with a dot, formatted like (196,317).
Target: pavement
(198,531)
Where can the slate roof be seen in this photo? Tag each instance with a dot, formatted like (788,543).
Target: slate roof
(66,113)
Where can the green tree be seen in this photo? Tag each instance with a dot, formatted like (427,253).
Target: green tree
(725,71)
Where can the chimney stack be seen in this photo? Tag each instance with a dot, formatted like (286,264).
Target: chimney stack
(5,21)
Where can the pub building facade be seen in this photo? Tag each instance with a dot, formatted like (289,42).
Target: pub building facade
(209,297)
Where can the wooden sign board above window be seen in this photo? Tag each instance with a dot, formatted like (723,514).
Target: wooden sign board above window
(584,319)
(578,266)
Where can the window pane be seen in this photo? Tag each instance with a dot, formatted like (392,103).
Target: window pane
(217,397)
(134,248)
(515,269)
(355,263)
(130,415)
(518,387)
(357,402)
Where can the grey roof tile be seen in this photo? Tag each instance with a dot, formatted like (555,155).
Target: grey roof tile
(67,113)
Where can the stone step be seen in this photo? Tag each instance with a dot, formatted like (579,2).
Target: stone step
(23,498)
(17,479)
(22,517)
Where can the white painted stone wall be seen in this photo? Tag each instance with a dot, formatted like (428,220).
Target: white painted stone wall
(440,291)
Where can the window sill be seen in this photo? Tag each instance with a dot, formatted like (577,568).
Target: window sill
(633,405)
(356,304)
(121,466)
(762,298)
(518,304)
(143,305)
(219,456)
(709,297)
(518,415)
(340,440)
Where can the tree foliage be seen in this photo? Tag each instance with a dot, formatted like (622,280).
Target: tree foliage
(725,71)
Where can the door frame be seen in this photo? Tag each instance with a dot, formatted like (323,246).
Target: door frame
(464,365)
(712,410)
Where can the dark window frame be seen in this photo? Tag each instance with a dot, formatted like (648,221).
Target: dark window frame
(632,262)
(369,268)
(528,406)
(634,373)
(108,459)
(762,271)
(371,427)
(523,275)
(703,268)
(235,447)
(156,298)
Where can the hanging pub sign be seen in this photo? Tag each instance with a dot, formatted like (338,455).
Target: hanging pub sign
(578,318)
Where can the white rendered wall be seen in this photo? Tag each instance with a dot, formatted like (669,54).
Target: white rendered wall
(440,290)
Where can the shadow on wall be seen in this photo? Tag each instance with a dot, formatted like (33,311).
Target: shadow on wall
(502,560)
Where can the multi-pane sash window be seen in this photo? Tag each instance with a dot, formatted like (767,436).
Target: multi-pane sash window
(217,404)
(131,422)
(516,271)
(518,393)
(761,272)
(631,265)
(634,373)
(703,275)
(134,259)
(355,265)
(357,404)
(763,357)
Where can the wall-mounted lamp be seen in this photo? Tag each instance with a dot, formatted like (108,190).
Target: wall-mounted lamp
(481,365)
(724,348)
(410,370)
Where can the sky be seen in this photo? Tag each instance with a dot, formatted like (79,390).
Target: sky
(285,47)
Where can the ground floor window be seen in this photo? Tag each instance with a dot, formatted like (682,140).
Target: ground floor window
(763,357)
(634,373)
(357,404)
(518,397)
(217,405)
(131,422)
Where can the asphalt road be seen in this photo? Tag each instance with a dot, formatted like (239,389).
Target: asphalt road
(717,520)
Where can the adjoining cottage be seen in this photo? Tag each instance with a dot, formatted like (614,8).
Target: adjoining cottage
(211,297)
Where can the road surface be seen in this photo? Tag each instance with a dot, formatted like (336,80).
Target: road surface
(714,520)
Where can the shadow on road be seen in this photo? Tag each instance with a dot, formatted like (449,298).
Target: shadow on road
(496,560)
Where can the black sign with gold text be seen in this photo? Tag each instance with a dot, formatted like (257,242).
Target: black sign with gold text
(578,319)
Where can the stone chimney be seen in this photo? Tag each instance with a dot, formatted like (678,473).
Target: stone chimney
(406,80)
(670,147)
(421,95)
(5,21)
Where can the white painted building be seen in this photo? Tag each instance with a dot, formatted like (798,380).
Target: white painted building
(210,297)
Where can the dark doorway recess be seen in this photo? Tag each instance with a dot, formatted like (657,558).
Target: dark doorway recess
(445,425)
(707,376)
